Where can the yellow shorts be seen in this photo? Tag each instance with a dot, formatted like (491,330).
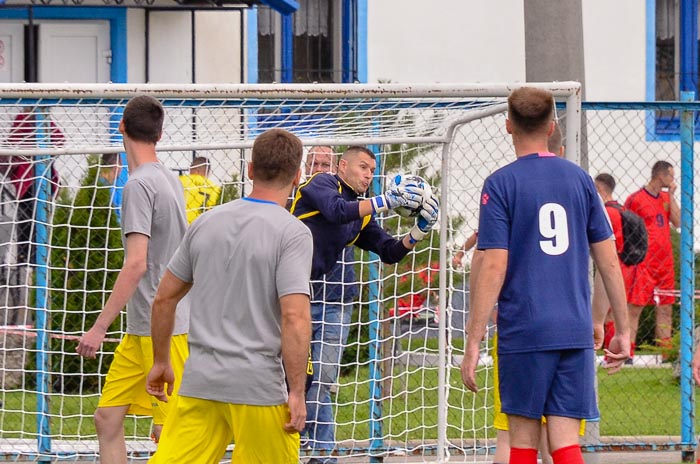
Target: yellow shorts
(198,431)
(126,380)
(500,420)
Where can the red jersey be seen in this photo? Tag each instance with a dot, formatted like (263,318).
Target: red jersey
(656,213)
(616,223)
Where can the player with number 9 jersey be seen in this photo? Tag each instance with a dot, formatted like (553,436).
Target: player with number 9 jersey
(545,211)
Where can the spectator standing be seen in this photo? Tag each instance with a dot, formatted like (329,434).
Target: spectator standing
(201,193)
(656,205)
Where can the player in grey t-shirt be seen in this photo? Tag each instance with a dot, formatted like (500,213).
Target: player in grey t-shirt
(246,266)
(153,222)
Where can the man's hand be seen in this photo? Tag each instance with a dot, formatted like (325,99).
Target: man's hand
(90,342)
(297,412)
(468,368)
(617,353)
(598,335)
(426,219)
(161,374)
(409,196)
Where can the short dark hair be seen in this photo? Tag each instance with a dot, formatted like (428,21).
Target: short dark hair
(355,149)
(607,180)
(555,140)
(200,162)
(530,110)
(143,119)
(109,159)
(659,168)
(277,157)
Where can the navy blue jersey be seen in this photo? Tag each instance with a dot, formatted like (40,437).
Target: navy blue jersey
(546,212)
(331,210)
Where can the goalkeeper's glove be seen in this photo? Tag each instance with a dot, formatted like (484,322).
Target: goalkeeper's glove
(409,196)
(427,218)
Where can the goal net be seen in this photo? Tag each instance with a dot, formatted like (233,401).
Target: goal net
(399,390)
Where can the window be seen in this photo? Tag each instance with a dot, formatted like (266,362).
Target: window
(316,43)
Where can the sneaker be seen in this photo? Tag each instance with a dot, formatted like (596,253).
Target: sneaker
(629,361)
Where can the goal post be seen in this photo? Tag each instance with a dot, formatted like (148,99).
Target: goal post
(399,390)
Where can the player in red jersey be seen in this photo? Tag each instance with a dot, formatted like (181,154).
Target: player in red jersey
(656,205)
(605,185)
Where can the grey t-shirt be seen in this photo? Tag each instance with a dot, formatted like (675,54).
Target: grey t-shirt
(153,204)
(240,257)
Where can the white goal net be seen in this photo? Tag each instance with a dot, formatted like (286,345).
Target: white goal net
(399,389)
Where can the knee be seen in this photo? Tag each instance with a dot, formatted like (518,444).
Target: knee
(107,421)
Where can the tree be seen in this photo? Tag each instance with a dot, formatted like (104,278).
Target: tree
(86,256)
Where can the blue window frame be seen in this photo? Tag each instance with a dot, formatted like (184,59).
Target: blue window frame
(672,61)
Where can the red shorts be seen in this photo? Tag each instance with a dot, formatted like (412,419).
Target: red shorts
(642,280)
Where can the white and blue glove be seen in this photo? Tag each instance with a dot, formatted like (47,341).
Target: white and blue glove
(427,218)
(409,196)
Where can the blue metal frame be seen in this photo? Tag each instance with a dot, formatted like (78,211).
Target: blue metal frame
(42,187)
(361,45)
(287,46)
(285,7)
(252,52)
(667,129)
(349,41)
(375,369)
(687,278)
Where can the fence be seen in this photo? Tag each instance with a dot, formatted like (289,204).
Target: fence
(400,389)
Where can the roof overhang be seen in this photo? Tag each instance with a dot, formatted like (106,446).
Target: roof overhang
(281,6)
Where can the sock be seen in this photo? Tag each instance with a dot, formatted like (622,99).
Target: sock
(568,455)
(523,456)
(609,333)
(632,347)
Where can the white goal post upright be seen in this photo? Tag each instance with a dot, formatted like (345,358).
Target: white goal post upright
(410,402)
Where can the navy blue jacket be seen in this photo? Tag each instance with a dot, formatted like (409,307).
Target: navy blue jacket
(338,285)
(331,210)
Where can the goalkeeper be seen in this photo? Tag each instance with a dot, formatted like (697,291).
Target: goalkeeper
(330,206)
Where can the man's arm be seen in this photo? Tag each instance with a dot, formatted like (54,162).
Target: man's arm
(124,287)
(296,338)
(468,245)
(489,281)
(674,209)
(606,260)
(170,291)
(601,304)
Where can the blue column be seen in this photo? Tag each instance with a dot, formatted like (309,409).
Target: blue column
(42,187)
(689,45)
(349,34)
(687,279)
(375,371)
(287,46)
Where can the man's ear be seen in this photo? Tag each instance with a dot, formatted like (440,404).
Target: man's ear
(550,131)
(250,170)
(297,179)
(160,136)
(121,127)
(509,126)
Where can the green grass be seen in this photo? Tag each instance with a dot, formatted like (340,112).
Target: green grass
(71,416)
(633,402)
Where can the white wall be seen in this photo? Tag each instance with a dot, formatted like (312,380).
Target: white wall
(218,48)
(446,41)
(170,53)
(483,41)
(615,50)
(135,45)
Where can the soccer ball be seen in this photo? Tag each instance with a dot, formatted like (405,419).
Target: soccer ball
(401,180)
